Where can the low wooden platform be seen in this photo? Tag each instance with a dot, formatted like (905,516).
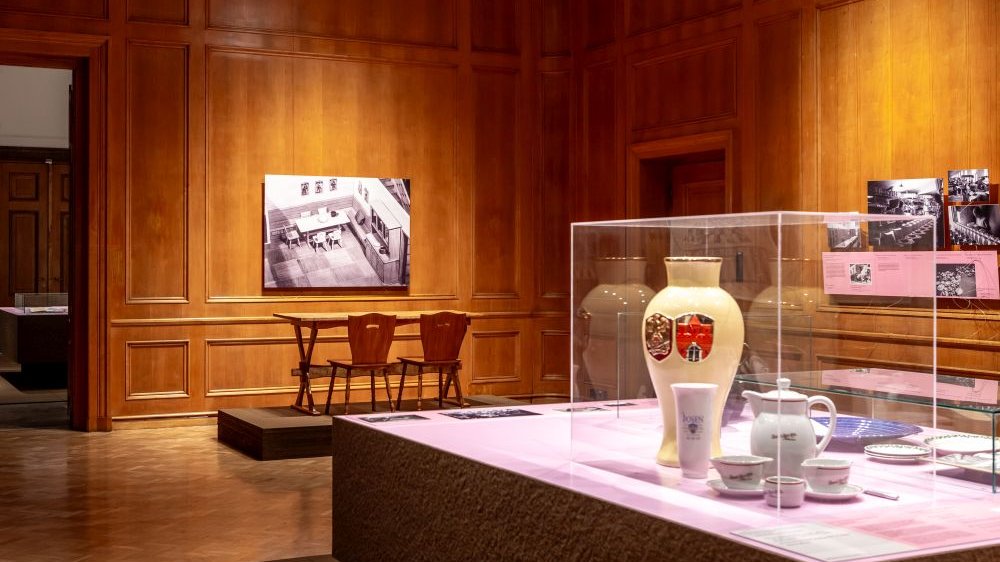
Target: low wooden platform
(283,433)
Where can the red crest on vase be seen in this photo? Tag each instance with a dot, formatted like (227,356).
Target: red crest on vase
(658,336)
(695,335)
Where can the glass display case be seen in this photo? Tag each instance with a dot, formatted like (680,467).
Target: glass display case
(35,303)
(841,312)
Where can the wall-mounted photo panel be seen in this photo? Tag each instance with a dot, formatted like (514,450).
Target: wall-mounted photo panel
(907,197)
(844,235)
(336,232)
(955,280)
(975,225)
(969,186)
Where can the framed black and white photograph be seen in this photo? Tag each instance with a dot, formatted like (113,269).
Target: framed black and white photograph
(489,413)
(336,232)
(907,197)
(974,225)
(844,235)
(969,186)
(956,280)
(861,273)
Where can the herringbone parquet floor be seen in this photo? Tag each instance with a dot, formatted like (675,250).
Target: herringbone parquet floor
(155,494)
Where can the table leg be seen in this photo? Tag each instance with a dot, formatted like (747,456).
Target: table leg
(305,359)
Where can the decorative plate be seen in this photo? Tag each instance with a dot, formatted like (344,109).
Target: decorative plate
(981,462)
(720,486)
(855,430)
(964,443)
(847,492)
(897,451)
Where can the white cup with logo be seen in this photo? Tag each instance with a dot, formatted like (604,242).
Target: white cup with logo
(826,475)
(741,472)
(784,491)
(693,407)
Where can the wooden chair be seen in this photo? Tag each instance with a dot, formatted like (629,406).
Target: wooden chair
(441,336)
(369,336)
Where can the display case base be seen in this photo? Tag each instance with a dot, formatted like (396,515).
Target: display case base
(274,433)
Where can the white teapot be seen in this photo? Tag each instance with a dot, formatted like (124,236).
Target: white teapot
(791,427)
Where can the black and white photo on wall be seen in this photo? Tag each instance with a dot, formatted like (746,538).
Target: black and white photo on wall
(861,273)
(969,186)
(844,235)
(955,280)
(906,197)
(336,232)
(974,225)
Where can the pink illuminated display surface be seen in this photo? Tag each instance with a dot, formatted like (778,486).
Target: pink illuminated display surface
(609,453)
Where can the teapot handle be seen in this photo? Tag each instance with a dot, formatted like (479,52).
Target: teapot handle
(813,400)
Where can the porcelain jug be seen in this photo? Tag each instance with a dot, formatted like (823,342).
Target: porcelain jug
(782,429)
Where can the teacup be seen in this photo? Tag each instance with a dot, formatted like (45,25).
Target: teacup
(740,472)
(784,491)
(826,475)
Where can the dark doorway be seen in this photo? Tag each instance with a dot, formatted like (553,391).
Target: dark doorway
(682,185)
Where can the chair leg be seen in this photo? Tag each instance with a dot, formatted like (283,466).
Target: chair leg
(402,379)
(458,385)
(371,373)
(347,392)
(329,394)
(420,386)
(440,388)
(388,390)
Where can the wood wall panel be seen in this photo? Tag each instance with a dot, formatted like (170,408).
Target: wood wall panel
(259,365)
(24,185)
(249,114)
(687,87)
(494,25)
(157,369)
(156,188)
(387,120)
(554,347)
(496,357)
(22,266)
(79,8)
(496,228)
(158,11)
(599,22)
(418,22)
(555,194)
(910,83)
(598,201)
(778,117)
(556,27)
(648,15)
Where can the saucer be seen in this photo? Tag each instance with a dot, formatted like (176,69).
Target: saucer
(963,443)
(895,460)
(720,486)
(847,492)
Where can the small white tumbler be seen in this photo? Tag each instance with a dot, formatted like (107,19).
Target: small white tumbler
(693,403)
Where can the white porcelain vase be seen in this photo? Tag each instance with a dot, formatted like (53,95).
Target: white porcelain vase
(692,333)
(613,311)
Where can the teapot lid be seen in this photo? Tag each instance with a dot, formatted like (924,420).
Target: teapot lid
(783,393)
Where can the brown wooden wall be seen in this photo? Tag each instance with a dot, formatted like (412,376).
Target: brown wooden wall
(818,97)
(206,96)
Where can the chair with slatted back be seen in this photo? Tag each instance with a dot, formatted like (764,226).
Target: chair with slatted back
(369,336)
(441,336)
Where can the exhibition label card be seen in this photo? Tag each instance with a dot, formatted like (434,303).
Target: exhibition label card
(970,274)
(824,542)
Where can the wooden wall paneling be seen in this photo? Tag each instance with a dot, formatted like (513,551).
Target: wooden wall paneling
(778,118)
(157,369)
(556,27)
(496,362)
(249,116)
(554,364)
(157,11)
(950,117)
(984,99)
(839,136)
(599,22)
(75,8)
(24,238)
(555,192)
(872,130)
(494,25)
(416,22)
(673,88)
(910,57)
(599,199)
(156,178)
(648,15)
(59,238)
(262,365)
(496,218)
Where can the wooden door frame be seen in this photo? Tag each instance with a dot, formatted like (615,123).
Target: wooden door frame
(671,147)
(87,57)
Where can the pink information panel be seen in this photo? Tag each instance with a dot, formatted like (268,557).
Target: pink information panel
(970,274)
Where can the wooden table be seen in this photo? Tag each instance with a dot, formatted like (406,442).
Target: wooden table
(316,321)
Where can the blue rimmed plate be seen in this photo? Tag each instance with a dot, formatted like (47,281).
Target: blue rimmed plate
(859,431)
